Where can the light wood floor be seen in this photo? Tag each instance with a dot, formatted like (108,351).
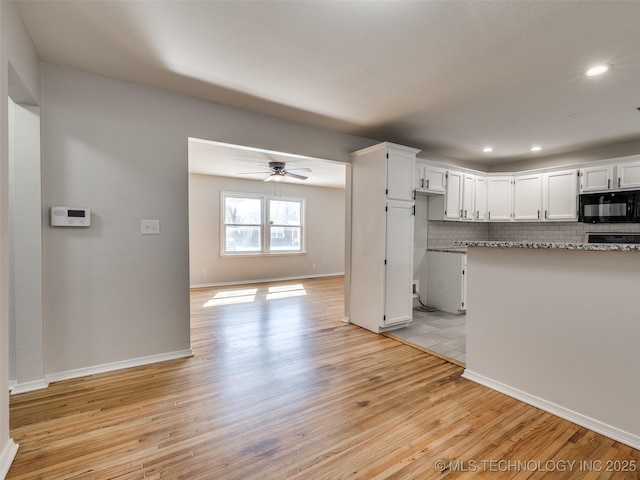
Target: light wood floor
(281,388)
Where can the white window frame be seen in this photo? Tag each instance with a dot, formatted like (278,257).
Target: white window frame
(265,227)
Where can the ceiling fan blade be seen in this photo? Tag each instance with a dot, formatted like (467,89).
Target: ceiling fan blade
(301,169)
(251,173)
(295,175)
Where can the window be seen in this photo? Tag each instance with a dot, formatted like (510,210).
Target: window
(261,224)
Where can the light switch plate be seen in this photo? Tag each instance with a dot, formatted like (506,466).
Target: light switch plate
(150,227)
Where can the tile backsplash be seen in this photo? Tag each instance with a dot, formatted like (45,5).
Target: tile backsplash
(441,234)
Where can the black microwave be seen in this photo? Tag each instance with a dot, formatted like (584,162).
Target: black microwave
(610,207)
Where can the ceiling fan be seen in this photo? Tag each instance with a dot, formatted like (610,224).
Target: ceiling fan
(278,172)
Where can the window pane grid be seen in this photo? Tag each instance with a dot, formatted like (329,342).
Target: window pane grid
(261,224)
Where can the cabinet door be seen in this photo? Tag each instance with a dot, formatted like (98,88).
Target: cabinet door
(418,178)
(596,179)
(464,282)
(561,195)
(499,194)
(400,172)
(468,192)
(480,201)
(629,175)
(434,179)
(527,197)
(453,196)
(398,305)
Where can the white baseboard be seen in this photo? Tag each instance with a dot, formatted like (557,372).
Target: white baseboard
(7,456)
(29,386)
(109,367)
(562,412)
(12,384)
(264,280)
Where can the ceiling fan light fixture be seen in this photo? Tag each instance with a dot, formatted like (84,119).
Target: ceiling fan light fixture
(275,177)
(597,70)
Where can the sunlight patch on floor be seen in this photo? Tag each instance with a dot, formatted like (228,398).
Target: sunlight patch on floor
(286,291)
(231,297)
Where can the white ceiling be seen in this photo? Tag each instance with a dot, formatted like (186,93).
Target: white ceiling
(214,158)
(448,77)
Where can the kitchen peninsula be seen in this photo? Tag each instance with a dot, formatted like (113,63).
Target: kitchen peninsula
(557,325)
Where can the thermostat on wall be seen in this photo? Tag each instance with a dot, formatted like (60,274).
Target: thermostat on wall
(70,217)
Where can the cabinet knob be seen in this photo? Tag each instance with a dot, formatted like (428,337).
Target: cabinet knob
(427,183)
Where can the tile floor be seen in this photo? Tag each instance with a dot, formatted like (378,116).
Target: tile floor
(441,332)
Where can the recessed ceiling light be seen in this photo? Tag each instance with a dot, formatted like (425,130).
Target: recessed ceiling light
(536,148)
(487,149)
(598,70)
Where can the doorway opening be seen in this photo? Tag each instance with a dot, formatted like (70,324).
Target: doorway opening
(247,240)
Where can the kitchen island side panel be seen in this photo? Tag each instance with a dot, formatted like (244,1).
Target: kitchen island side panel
(560,328)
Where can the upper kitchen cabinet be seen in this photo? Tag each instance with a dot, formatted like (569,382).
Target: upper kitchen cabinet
(628,175)
(382,222)
(400,169)
(468,196)
(596,179)
(499,197)
(464,198)
(560,195)
(612,176)
(527,197)
(429,179)
(480,198)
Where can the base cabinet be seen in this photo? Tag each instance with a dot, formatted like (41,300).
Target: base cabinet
(382,223)
(446,281)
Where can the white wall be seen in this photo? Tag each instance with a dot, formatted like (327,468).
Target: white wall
(559,329)
(325,233)
(18,64)
(111,294)
(25,280)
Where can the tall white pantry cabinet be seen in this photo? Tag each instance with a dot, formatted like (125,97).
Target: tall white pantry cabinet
(382,222)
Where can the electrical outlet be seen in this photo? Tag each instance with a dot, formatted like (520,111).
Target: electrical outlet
(150,227)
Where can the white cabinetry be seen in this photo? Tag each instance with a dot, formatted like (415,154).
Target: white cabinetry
(429,179)
(382,222)
(613,176)
(628,175)
(465,198)
(446,281)
(527,197)
(453,196)
(596,179)
(468,196)
(560,195)
(480,198)
(499,195)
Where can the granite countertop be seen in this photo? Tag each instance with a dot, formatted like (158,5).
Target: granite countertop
(601,247)
(455,249)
